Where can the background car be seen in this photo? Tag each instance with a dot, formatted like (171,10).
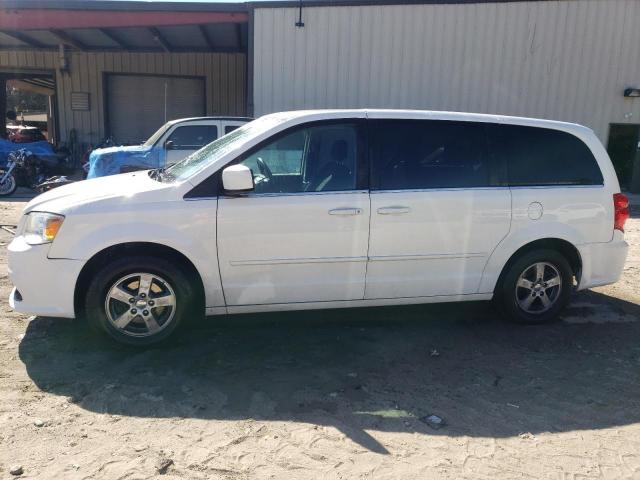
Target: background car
(24,134)
(171,143)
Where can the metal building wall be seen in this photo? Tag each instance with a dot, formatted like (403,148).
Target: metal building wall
(567,60)
(225,75)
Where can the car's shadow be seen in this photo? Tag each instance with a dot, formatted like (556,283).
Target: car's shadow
(22,194)
(363,369)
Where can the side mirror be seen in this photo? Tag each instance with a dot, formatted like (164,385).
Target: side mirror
(168,145)
(237,179)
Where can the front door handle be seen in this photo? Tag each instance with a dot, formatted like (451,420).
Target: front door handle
(395,210)
(345,211)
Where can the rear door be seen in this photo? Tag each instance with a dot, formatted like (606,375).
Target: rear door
(301,235)
(437,208)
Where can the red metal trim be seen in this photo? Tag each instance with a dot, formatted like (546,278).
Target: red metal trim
(69,19)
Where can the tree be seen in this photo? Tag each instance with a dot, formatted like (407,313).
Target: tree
(24,101)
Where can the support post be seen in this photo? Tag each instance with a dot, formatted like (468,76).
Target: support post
(634,181)
(3,106)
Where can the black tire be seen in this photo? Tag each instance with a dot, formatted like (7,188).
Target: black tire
(175,280)
(507,293)
(11,186)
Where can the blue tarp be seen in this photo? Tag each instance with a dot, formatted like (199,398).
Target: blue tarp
(109,161)
(41,149)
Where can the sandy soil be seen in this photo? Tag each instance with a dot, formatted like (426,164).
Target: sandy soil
(331,394)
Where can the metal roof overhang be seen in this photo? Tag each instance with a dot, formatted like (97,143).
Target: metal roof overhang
(119,26)
(103,25)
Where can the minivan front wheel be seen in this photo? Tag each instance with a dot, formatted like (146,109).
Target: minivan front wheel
(138,301)
(536,287)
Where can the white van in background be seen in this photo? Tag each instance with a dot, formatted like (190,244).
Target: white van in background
(325,209)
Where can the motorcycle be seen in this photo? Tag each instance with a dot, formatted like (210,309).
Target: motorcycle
(24,169)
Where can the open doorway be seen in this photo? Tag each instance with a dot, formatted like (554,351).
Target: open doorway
(28,107)
(624,150)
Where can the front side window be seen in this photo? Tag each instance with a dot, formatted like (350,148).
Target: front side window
(192,137)
(427,154)
(156,136)
(541,156)
(319,158)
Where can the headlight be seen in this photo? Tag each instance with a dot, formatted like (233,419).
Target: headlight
(41,227)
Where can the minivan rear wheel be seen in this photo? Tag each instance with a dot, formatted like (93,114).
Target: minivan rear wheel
(536,287)
(139,300)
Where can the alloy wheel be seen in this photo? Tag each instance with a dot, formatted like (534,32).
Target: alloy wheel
(140,304)
(538,288)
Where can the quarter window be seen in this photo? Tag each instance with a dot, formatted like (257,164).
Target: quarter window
(541,156)
(312,159)
(425,154)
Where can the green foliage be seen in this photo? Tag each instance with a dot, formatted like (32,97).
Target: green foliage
(21,101)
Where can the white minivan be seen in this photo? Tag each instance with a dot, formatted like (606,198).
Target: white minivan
(325,209)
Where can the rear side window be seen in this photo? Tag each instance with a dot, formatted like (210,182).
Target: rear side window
(541,156)
(424,154)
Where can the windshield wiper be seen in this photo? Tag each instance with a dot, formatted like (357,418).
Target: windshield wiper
(160,175)
(156,174)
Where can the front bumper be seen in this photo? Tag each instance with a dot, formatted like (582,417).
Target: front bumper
(46,286)
(603,263)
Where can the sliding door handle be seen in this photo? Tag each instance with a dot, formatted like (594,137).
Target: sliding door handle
(395,210)
(345,211)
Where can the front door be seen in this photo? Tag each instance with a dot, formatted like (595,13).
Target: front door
(301,235)
(436,215)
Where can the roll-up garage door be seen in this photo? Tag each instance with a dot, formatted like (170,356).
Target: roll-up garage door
(139,104)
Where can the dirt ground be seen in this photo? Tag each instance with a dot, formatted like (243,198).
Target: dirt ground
(331,394)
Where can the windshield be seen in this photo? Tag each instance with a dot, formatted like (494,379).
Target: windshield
(209,154)
(156,136)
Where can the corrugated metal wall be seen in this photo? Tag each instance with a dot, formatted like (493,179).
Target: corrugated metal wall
(224,72)
(567,60)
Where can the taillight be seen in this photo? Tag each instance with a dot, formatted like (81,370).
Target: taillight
(621,211)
